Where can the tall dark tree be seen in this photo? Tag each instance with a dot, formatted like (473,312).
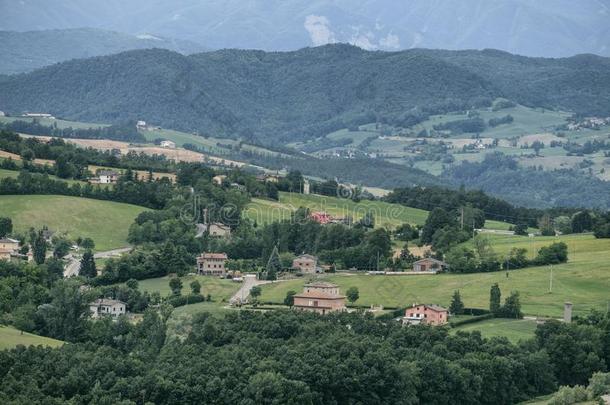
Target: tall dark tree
(495,295)
(6,226)
(39,247)
(352,294)
(581,222)
(87,265)
(274,265)
(457,306)
(437,219)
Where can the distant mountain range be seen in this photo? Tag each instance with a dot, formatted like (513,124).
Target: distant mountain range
(286,96)
(550,28)
(26,51)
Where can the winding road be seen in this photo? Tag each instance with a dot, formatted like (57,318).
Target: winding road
(73,266)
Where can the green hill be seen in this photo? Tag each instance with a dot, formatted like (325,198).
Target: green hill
(26,51)
(288,96)
(106,222)
(387,215)
(583,281)
(11,337)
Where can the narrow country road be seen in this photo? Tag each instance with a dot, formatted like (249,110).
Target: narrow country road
(73,266)
(241,296)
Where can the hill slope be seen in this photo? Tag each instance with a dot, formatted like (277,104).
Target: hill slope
(302,94)
(106,222)
(26,51)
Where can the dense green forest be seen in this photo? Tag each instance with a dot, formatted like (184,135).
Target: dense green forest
(288,357)
(500,175)
(288,96)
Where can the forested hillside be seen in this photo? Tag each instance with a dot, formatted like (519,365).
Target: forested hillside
(304,94)
(500,175)
(26,51)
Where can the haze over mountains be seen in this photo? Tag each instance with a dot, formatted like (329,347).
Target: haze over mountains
(298,95)
(548,28)
(26,51)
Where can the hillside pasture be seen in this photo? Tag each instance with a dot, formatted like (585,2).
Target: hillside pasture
(11,338)
(584,281)
(106,222)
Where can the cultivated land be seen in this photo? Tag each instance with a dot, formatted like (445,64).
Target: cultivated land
(530,124)
(584,280)
(106,222)
(386,214)
(11,337)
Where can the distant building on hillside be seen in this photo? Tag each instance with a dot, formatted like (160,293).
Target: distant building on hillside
(212,264)
(306,187)
(141,125)
(219,230)
(320,297)
(2,114)
(306,263)
(8,248)
(105,177)
(426,314)
(219,179)
(38,115)
(321,217)
(168,144)
(107,307)
(429,264)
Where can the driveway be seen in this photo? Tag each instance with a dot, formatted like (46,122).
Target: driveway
(73,266)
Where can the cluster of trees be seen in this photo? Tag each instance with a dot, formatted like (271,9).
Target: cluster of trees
(468,125)
(429,198)
(501,175)
(483,258)
(294,358)
(120,132)
(494,122)
(71,160)
(128,189)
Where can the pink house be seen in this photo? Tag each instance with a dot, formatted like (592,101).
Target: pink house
(426,314)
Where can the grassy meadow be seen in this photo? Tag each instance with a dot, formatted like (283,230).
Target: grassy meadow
(513,329)
(11,337)
(584,280)
(106,222)
(220,289)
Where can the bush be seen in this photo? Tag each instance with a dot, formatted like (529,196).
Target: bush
(569,395)
(181,300)
(474,319)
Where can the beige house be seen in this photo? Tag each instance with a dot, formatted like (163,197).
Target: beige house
(8,248)
(320,297)
(219,179)
(212,264)
(306,263)
(429,264)
(219,230)
(107,307)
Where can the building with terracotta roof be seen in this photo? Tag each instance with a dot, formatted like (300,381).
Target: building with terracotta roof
(429,264)
(320,297)
(306,264)
(426,314)
(212,264)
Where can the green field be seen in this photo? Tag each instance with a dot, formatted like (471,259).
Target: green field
(386,214)
(513,329)
(220,289)
(106,222)
(584,280)
(14,173)
(11,337)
